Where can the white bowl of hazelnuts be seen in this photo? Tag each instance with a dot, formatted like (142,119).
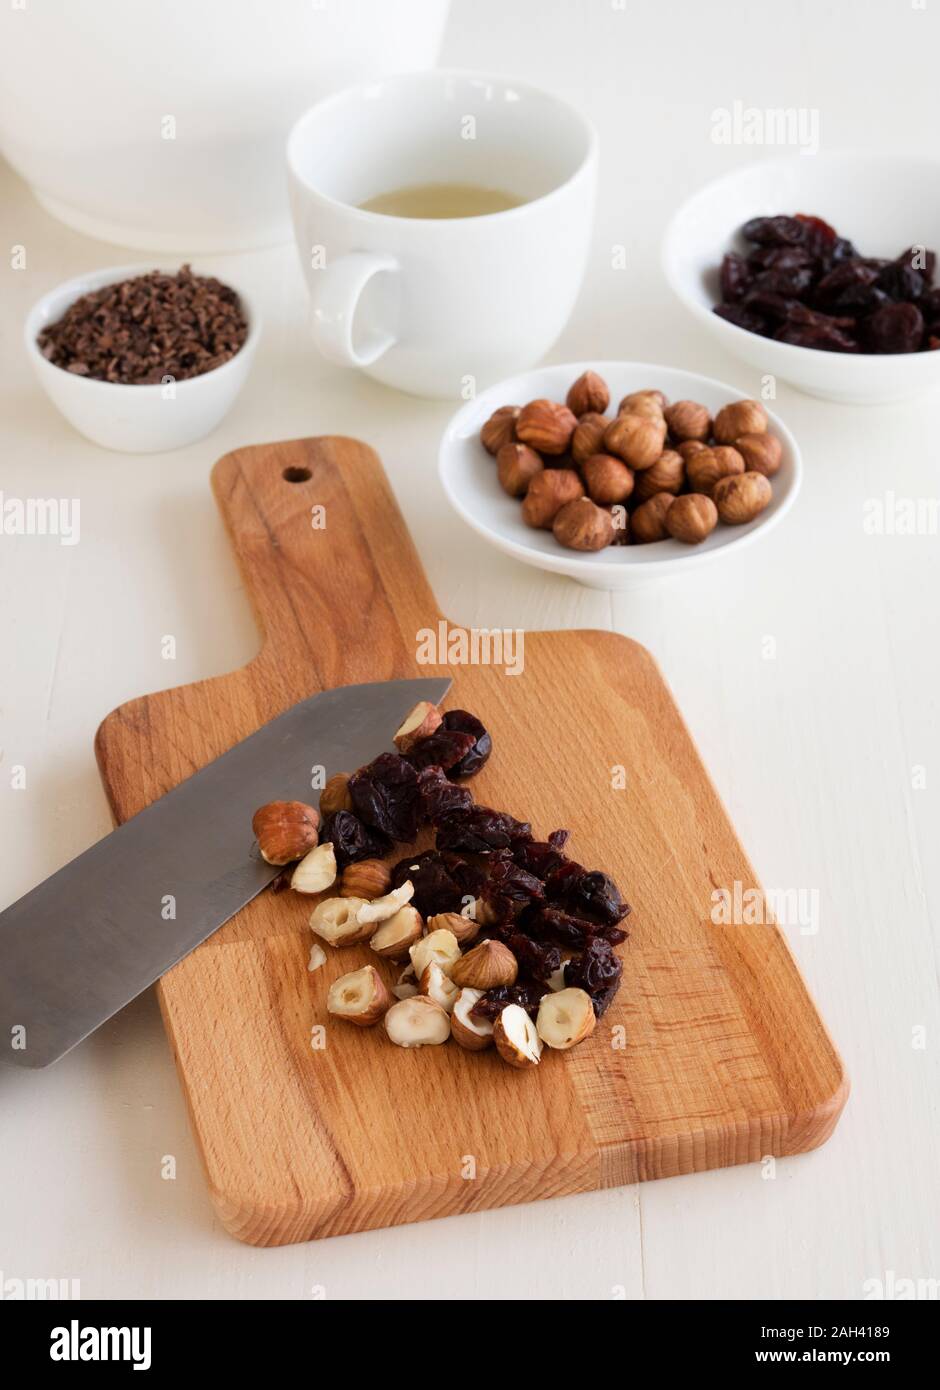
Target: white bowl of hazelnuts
(618,472)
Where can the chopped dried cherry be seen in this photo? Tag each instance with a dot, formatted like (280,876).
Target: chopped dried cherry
(537,960)
(352,840)
(527,994)
(588,893)
(597,971)
(438,795)
(436,890)
(509,890)
(385,796)
(461,721)
(445,748)
(480,829)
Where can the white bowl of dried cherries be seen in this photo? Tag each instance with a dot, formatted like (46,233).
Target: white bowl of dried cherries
(618,472)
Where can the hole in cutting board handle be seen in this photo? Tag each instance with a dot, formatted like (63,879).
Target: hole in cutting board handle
(297,475)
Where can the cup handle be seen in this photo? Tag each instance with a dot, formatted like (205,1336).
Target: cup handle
(340,286)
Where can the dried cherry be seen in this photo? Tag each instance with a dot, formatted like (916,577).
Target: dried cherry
(480,829)
(774,231)
(801,283)
(527,994)
(537,960)
(445,748)
(509,890)
(461,721)
(436,889)
(895,328)
(352,840)
(438,795)
(385,796)
(598,971)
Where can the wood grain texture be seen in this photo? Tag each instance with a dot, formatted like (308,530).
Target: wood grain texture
(725,1061)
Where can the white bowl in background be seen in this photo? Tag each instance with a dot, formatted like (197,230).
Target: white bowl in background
(468,474)
(163,127)
(881,203)
(136,419)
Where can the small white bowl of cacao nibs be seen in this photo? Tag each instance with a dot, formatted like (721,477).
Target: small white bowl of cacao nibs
(142,360)
(615,473)
(490,936)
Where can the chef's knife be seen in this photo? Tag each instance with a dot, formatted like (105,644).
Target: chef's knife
(84,943)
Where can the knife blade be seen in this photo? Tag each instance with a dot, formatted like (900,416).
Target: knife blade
(81,945)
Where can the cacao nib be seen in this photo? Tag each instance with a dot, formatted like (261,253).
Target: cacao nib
(148,329)
(352,840)
(445,748)
(461,721)
(438,795)
(479,830)
(385,796)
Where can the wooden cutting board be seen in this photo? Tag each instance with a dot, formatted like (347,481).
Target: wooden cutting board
(713,1052)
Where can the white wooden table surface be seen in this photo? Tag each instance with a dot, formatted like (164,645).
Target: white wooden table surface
(825,753)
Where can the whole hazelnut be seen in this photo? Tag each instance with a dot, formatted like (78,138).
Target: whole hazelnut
(646,407)
(688,420)
(516,466)
(548,493)
(741,417)
(635,439)
(285,830)
(688,447)
(607,479)
(335,795)
(588,394)
(704,469)
(588,437)
(582,525)
(500,428)
(742,497)
(666,475)
(691,518)
(546,426)
(762,453)
(366,879)
(648,521)
(643,399)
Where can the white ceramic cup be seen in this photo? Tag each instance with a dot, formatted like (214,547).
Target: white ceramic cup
(437,306)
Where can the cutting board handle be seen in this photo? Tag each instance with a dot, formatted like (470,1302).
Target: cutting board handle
(334,577)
